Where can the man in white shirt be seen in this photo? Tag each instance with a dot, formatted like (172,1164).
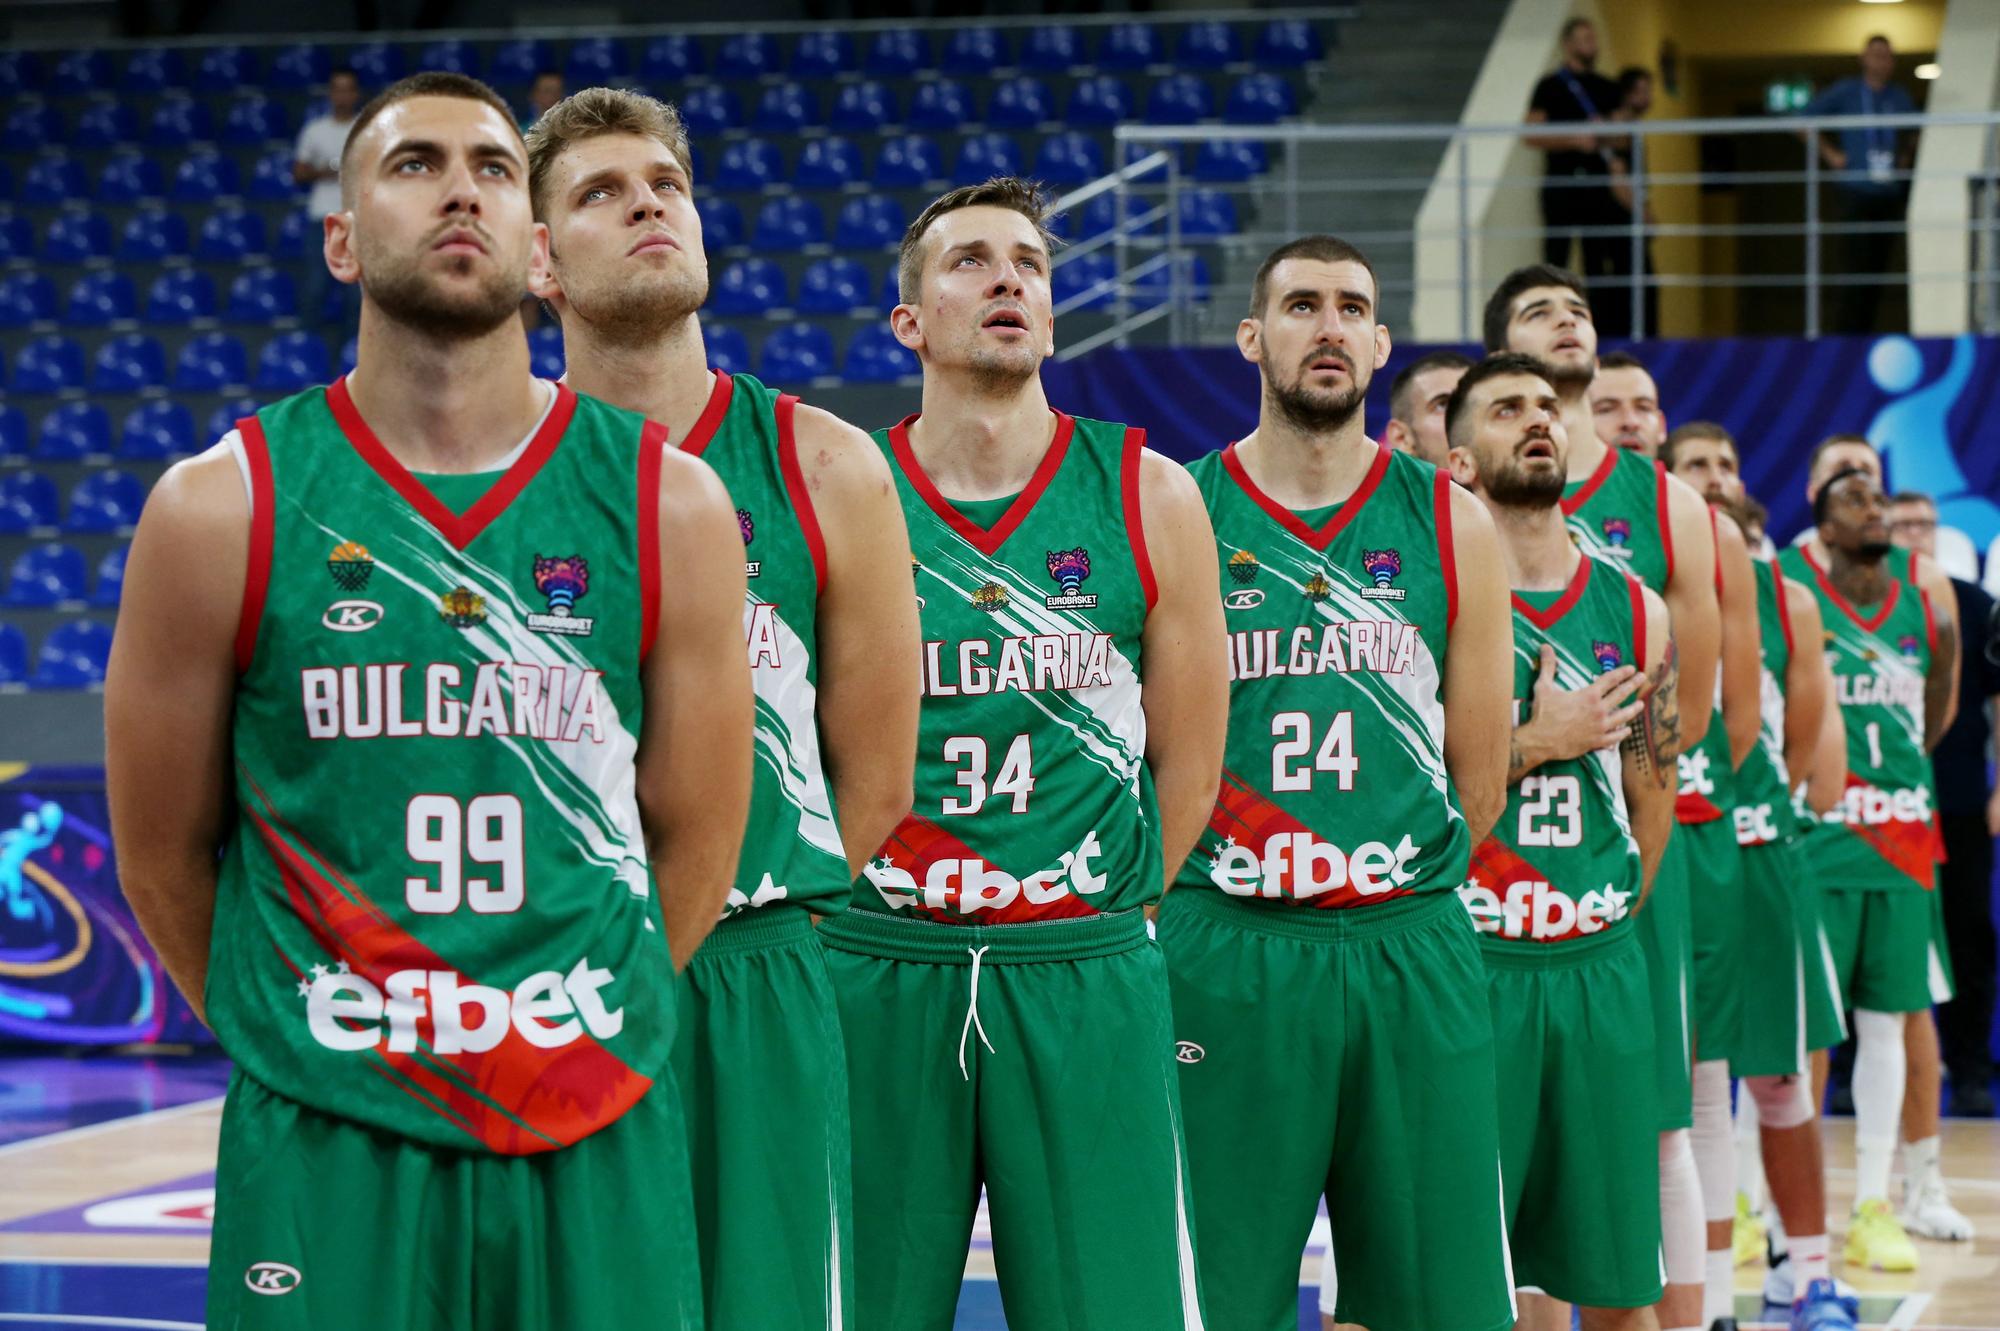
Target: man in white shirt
(316,162)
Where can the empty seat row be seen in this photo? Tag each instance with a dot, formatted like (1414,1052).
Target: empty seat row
(229,233)
(130,175)
(252,118)
(54,574)
(153,431)
(176,296)
(790,355)
(73,656)
(135,363)
(104,501)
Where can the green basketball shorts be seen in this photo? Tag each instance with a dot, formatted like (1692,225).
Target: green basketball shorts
(1786,991)
(1714,873)
(1349,1053)
(1579,1145)
(1887,948)
(758,1059)
(320,1222)
(1826,1015)
(1038,1060)
(1666,937)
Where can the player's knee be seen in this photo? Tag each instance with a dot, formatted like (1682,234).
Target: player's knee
(1782,1102)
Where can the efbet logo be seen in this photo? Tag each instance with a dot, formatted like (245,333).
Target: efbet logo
(1298,865)
(751,567)
(345,1012)
(272,1278)
(350,564)
(1617,532)
(1384,566)
(562,579)
(1608,656)
(1069,568)
(1243,567)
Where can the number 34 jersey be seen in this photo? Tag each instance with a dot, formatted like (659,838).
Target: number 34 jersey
(1334,789)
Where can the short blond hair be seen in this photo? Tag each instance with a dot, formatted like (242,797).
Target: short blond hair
(590,114)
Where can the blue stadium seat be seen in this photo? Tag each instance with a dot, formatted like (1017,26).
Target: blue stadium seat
(271,178)
(823,54)
(595,60)
(13,432)
(180,296)
(909,161)
(1208,45)
(1130,46)
(294,231)
(111,578)
(795,353)
(1020,103)
(101,298)
(710,109)
(73,656)
(1208,212)
(727,351)
(1099,100)
(156,430)
(749,164)
(49,364)
(1052,46)
(223,419)
(516,62)
(1179,99)
(105,501)
(833,286)
(892,294)
(899,51)
(377,64)
(129,364)
(1259,99)
(202,177)
(721,222)
(72,431)
(292,361)
(80,71)
(673,56)
(28,502)
(827,163)
(869,222)
(17,236)
(449,55)
(210,363)
(20,71)
(13,656)
(750,286)
(47,575)
(26,298)
(151,235)
(230,233)
(1075,276)
(1289,42)
(298,67)
(1226,161)
(789,223)
(786,108)
(254,118)
(104,124)
(75,236)
(225,69)
(974,49)
(6,181)
(981,156)
(866,105)
(350,353)
(747,55)
(154,69)
(130,175)
(1068,158)
(545,351)
(53,178)
(177,122)
(940,104)
(33,125)
(260,295)
(1100,215)
(874,356)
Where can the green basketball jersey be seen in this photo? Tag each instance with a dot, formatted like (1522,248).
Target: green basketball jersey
(1707,779)
(1763,809)
(1881,835)
(1561,864)
(1618,513)
(436,914)
(1334,789)
(1033,799)
(792,853)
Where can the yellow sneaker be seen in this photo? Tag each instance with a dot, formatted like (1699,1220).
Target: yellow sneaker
(1750,1238)
(1875,1238)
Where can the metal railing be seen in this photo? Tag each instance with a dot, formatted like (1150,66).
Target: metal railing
(1743,212)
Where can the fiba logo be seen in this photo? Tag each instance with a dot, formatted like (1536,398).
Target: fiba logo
(272,1278)
(1187,1051)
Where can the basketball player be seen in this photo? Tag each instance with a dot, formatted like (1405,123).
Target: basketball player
(1368,647)
(1787,1003)
(831,623)
(1416,404)
(447,663)
(1624,507)
(1554,888)
(1005,1011)
(1625,405)
(1874,854)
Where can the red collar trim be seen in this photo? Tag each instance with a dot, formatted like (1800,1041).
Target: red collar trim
(986,540)
(1581,496)
(1290,521)
(1872,622)
(711,416)
(1546,619)
(461,529)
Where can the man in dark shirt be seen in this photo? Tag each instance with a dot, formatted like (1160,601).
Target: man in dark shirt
(1576,184)
(1870,187)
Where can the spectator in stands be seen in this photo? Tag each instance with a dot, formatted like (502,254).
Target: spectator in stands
(1576,182)
(316,162)
(1869,187)
(1969,817)
(1416,404)
(543,93)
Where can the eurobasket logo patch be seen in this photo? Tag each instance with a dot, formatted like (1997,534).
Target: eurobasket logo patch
(1384,567)
(1617,536)
(1069,568)
(350,564)
(1907,644)
(562,579)
(751,567)
(1608,656)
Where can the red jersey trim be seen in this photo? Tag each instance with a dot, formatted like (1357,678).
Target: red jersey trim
(1290,521)
(1881,614)
(983,539)
(1637,589)
(710,420)
(1915,555)
(1135,520)
(461,529)
(652,440)
(795,484)
(257,573)
(1930,620)
(1601,473)
(1784,604)
(1814,564)
(1447,551)
(1665,517)
(1545,619)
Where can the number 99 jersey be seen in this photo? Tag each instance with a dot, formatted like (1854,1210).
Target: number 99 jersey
(1562,864)
(1334,788)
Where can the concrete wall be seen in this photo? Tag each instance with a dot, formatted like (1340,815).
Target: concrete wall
(1940,204)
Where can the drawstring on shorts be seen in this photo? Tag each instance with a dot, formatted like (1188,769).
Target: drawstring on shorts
(972,1015)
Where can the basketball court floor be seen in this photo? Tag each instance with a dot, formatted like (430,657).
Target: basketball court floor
(106,1188)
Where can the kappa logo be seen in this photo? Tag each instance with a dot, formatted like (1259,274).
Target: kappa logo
(272,1278)
(1246,598)
(352,616)
(562,579)
(1187,1051)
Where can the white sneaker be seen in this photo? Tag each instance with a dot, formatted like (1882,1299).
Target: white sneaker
(1781,1285)
(1927,1212)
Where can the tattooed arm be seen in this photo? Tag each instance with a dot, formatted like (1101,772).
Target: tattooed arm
(1652,751)
(1941,684)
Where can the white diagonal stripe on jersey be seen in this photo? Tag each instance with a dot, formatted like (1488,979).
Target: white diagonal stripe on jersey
(787,731)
